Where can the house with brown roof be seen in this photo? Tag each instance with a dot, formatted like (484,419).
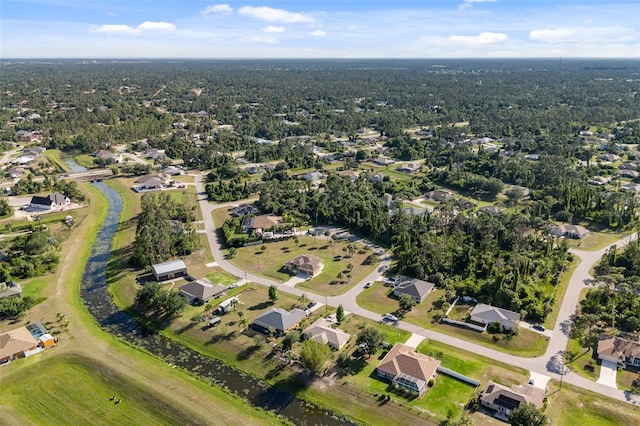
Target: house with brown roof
(262,222)
(503,400)
(353,176)
(439,195)
(407,369)
(201,291)
(621,351)
(18,343)
(322,332)
(304,263)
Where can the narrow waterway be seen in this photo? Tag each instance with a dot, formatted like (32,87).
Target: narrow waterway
(99,303)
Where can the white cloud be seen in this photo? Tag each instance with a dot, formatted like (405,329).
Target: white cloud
(224,9)
(558,35)
(274,15)
(157,26)
(117,29)
(111,14)
(273,29)
(318,33)
(469,3)
(483,38)
(129,30)
(264,39)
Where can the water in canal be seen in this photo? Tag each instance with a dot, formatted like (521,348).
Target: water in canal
(99,303)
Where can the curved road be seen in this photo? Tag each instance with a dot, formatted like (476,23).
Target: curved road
(546,365)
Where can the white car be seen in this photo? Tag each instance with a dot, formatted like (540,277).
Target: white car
(368,285)
(390,317)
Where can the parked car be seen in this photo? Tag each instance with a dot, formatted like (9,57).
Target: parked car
(368,285)
(311,305)
(538,327)
(390,317)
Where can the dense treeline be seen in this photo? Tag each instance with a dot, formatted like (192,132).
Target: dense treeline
(164,230)
(537,104)
(499,259)
(614,303)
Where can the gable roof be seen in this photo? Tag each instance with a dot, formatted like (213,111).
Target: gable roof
(403,359)
(49,200)
(16,341)
(512,398)
(489,314)
(279,319)
(321,332)
(618,347)
(202,289)
(414,287)
(170,266)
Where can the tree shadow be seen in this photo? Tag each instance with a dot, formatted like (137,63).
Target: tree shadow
(186,327)
(260,306)
(246,353)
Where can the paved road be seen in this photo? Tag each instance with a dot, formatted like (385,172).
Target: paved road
(546,364)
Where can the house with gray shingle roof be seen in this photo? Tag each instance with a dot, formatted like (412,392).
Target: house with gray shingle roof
(417,289)
(278,319)
(487,314)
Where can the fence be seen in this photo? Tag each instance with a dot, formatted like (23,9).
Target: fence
(464,324)
(458,376)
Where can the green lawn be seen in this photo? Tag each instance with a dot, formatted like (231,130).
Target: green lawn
(598,238)
(54,156)
(219,276)
(77,390)
(574,406)
(379,299)
(269,263)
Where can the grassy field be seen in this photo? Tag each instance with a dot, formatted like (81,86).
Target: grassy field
(80,337)
(574,406)
(77,390)
(269,262)
(54,156)
(599,237)
(561,289)
(380,299)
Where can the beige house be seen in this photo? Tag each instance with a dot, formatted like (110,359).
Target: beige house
(407,369)
(18,343)
(503,400)
(621,351)
(306,264)
(322,332)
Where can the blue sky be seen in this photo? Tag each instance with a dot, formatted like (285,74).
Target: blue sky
(319,28)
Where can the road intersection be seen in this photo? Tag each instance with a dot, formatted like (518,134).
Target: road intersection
(548,365)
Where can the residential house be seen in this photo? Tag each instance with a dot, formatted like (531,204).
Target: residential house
(169,270)
(201,291)
(621,351)
(383,161)
(107,156)
(439,195)
(570,231)
(24,159)
(503,400)
(15,172)
(387,200)
(407,369)
(154,153)
(608,157)
(322,331)
(409,167)
(487,314)
(10,289)
(17,343)
(630,187)
(414,211)
(172,171)
(375,177)
(353,176)
(417,289)
(245,209)
(262,222)
(278,319)
(314,177)
(157,181)
(628,166)
(494,210)
(532,157)
(51,202)
(628,173)
(34,151)
(27,136)
(304,263)
(598,181)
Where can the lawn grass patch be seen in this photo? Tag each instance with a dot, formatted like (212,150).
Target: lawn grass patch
(575,406)
(54,156)
(77,390)
(269,262)
(219,276)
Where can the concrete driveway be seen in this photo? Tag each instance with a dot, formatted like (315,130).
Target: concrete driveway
(608,372)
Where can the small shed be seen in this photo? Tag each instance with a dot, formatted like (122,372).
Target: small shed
(169,270)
